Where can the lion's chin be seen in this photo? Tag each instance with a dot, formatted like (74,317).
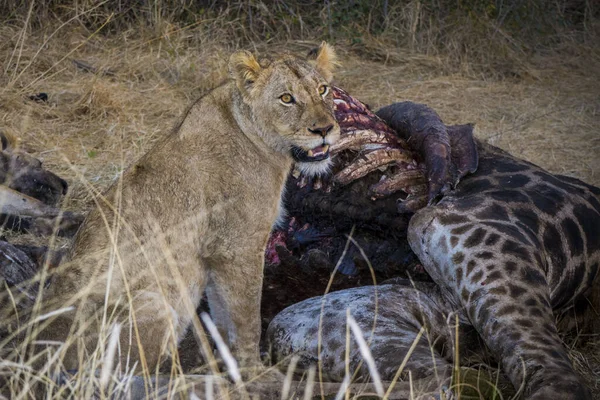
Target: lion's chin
(315,168)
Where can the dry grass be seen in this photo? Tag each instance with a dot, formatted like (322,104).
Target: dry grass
(95,124)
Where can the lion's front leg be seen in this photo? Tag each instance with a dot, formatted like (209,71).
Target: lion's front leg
(234,292)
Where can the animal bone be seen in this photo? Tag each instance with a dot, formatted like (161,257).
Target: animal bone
(15,203)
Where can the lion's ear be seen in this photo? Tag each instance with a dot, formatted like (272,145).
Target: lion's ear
(326,61)
(244,68)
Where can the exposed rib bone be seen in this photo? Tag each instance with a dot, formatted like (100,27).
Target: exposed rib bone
(402,180)
(15,203)
(370,161)
(354,140)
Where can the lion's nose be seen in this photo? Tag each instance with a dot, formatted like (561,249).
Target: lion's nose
(323,131)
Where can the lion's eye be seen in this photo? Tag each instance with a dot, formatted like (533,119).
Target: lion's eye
(323,90)
(286,98)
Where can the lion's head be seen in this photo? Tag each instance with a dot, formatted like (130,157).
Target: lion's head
(290,99)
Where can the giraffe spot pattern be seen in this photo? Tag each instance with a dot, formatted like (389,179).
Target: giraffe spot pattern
(494,276)
(509,197)
(569,185)
(470,266)
(562,297)
(533,277)
(454,241)
(546,198)
(492,239)
(595,203)
(507,310)
(477,185)
(484,313)
(477,276)
(536,312)
(475,238)
(485,255)
(513,181)
(528,218)
(493,212)
(464,295)
(527,323)
(510,266)
(458,258)
(513,248)
(459,276)
(469,203)
(508,166)
(516,290)
(508,230)
(532,238)
(574,239)
(498,291)
(531,302)
(453,219)
(461,229)
(590,224)
(553,247)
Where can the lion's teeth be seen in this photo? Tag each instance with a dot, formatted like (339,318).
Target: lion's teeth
(325,148)
(310,153)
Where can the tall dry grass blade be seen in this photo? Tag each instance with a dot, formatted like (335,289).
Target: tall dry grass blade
(410,385)
(342,392)
(21,40)
(194,396)
(30,84)
(403,364)
(51,314)
(456,354)
(310,383)
(323,301)
(109,356)
(208,388)
(230,362)
(366,353)
(347,357)
(287,383)
(375,289)
(47,40)
(41,372)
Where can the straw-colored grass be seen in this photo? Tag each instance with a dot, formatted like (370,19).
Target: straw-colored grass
(96,123)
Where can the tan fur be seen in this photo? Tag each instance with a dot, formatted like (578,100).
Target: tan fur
(326,60)
(194,213)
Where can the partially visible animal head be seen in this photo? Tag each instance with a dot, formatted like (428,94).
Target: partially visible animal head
(25,174)
(291,99)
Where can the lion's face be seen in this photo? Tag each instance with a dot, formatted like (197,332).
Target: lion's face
(291,100)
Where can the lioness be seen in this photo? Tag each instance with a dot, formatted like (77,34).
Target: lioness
(195,213)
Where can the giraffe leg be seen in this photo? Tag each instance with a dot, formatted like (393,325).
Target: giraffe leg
(494,271)
(390,318)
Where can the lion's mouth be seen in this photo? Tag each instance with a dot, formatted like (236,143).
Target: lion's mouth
(318,153)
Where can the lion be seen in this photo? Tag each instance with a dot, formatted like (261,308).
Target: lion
(193,215)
